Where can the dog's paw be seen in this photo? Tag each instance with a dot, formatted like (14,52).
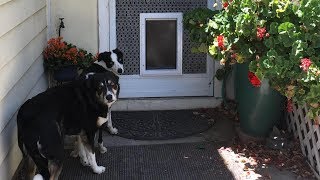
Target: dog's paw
(113,130)
(102,149)
(38,177)
(99,169)
(74,153)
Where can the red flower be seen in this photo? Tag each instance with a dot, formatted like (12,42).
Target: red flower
(305,64)
(254,80)
(225,5)
(220,40)
(261,32)
(289,105)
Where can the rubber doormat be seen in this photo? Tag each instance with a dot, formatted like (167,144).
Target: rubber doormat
(194,161)
(160,125)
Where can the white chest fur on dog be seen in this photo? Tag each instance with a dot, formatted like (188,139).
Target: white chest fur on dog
(101,121)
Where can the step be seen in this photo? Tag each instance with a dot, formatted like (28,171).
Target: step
(145,104)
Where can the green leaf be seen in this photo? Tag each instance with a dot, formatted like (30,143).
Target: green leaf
(272,53)
(213,50)
(191,21)
(269,42)
(273,28)
(194,50)
(286,27)
(307,36)
(310,51)
(203,48)
(315,38)
(213,24)
(259,74)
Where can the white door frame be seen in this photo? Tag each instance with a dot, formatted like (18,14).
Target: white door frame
(139,86)
(160,16)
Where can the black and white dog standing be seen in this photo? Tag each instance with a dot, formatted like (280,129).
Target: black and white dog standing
(74,108)
(106,62)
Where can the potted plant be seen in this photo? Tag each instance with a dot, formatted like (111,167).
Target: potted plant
(277,41)
(65,59)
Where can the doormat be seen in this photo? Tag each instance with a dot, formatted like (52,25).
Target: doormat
(194,161)
(160,125)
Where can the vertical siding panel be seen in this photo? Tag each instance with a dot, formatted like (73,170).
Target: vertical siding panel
(14,41)
(12,159)
(23,35)
(15,69)
(16,11)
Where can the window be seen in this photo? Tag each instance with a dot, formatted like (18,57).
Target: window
(161,44)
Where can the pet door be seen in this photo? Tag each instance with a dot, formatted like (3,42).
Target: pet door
(161,44)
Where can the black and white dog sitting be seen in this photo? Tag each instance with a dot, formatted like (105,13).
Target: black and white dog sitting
(76,108)
(107,61)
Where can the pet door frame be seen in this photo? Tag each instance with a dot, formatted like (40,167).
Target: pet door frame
(158,17)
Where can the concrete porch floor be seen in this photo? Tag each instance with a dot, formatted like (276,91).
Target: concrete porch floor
(222,133)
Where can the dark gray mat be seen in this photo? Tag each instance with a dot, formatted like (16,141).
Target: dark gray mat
(196,161)
(160,125)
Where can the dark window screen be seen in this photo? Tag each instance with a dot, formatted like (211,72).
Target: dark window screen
(161,44)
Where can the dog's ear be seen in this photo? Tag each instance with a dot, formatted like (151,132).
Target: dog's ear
(104,56)
(118,52)
(88,81)
(112,76)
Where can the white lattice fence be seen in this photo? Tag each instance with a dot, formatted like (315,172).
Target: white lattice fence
(308,134)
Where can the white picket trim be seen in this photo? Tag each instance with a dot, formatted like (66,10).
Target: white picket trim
(308,134)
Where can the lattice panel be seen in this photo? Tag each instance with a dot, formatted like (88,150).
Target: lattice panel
(128,31)
(308,134)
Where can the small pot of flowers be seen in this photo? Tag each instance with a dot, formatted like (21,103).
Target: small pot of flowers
(64,59)
(277,40)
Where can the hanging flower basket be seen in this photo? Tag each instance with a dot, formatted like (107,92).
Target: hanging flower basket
(64,59)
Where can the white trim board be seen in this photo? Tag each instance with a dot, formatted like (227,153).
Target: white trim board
(103,23)
(160,16)
(167,86)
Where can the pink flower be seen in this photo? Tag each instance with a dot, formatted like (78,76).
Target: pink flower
(305,64)
(261,32)
(289,105)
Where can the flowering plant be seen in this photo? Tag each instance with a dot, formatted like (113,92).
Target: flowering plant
(59,53)
(280,39)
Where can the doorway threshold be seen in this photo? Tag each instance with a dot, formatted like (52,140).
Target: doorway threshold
(168,103)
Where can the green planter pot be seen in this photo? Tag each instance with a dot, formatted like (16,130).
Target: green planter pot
(260,108)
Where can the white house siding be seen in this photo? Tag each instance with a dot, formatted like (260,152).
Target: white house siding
(23,35)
